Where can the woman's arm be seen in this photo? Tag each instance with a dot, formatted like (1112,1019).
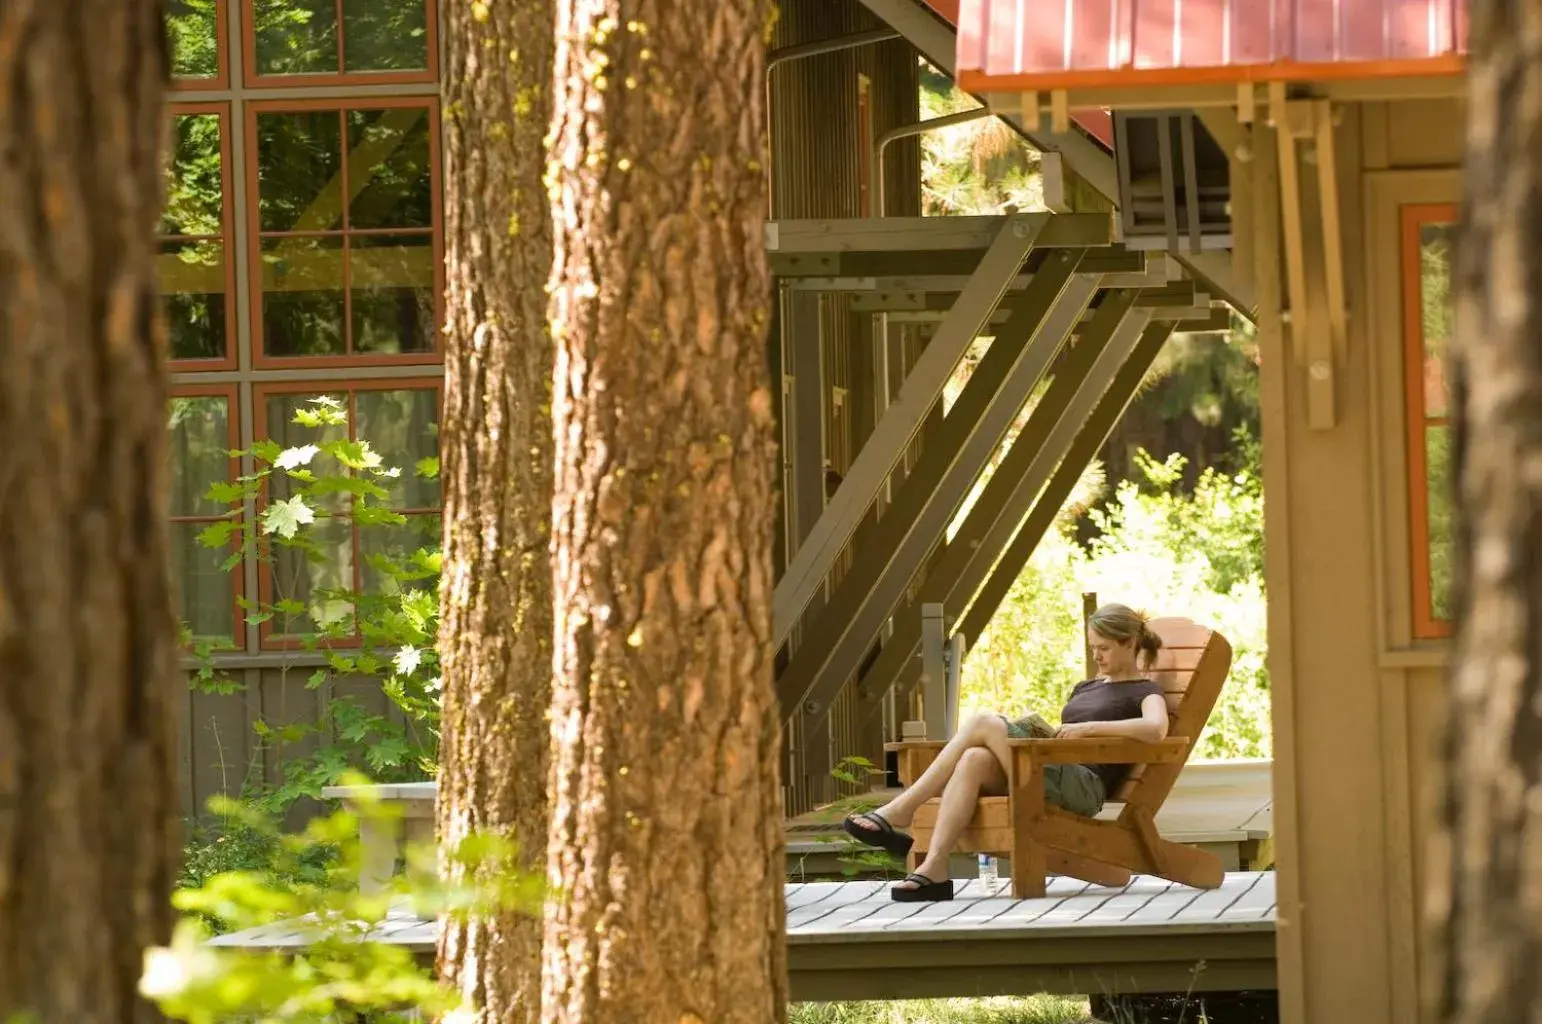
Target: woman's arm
(1150,727)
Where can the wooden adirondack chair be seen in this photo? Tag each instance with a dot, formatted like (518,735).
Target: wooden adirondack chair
(1042,839)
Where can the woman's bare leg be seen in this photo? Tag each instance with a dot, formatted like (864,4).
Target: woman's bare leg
(978,772)
(979,731)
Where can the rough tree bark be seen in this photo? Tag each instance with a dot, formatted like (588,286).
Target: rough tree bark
(1487,868)
(496,626)
(88,671)
(666,823)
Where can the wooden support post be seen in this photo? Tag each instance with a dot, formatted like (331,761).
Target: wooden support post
(1150,841)
(379,842)
(1089,605)
(934,671)
(1028,854)
(1059,111)
(1311,337)
(1332,227)
(804,322)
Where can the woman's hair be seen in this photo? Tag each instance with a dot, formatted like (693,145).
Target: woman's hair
(1122,624)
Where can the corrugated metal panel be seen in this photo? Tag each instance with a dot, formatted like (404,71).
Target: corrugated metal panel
(1048,44)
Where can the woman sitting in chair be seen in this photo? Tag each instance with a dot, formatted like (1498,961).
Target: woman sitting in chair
(1121,702)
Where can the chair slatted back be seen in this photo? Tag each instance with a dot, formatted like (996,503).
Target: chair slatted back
(1191,666)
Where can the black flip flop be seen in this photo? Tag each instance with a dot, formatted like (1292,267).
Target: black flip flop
(884,836)
(926,890)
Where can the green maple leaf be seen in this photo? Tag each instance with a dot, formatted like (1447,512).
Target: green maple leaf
(286,517)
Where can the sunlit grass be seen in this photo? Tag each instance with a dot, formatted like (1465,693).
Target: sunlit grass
(1040,1009)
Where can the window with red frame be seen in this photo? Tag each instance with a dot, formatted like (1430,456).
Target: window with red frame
(345,253)
(400,420)
(287,42)
(194,265)
(202,434)
(1428,246)
(196,30)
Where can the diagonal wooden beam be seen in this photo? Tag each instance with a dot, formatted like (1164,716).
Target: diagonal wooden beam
(1088,443)
(967,320)
(910,529)
(1085,375)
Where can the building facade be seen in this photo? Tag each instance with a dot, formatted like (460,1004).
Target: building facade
(301,256)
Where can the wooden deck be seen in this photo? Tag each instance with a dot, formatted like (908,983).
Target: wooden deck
(848,940)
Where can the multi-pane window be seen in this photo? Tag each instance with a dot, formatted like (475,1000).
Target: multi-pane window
(343,227)
(194,262)
(400,421)
(1428,237)
(196,29)
(299,257)
(203,435)
(292,41)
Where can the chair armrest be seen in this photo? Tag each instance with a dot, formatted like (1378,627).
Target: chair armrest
(1093,750)
(915,756)
(932,745)
(1105,750)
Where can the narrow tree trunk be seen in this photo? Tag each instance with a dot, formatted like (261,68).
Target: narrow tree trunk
(88,671)
(666,821)
(1487,871)
(496,627)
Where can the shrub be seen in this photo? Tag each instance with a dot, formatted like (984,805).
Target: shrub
(384,634)
(1198,554)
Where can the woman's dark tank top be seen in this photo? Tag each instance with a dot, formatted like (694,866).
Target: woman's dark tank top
(1098,700)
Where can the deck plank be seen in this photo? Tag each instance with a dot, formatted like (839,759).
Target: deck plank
(857,912)
(832,897)
(1162,908)
(1209,906)
(1253,904)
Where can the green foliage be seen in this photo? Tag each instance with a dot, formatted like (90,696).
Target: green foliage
(1437,246)
(855,770)
(1210,378)
(1198,554)
(342,974)
(232,844)
(383,634)
(1436,250)
(191,28)
(858,772)
(1041,1009)
(1441,497)
(977,167)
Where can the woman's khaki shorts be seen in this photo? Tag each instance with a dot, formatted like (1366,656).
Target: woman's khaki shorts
(1074,787)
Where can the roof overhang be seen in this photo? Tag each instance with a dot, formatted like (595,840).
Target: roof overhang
(1115,52)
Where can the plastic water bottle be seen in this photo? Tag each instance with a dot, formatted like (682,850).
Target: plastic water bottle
(988,876)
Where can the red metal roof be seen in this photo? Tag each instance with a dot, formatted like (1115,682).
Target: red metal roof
(1096,121)
(1016,45)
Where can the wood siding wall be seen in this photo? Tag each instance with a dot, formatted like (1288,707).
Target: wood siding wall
(820,153)
(222,753)
(1358,700)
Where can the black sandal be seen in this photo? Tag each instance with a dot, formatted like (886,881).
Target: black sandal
(926,890)
(884,836)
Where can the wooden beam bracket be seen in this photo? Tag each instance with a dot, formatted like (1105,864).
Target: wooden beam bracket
(1317,310)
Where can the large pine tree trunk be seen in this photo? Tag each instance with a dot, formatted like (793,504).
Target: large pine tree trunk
(88,669)
(1487,871)
(666,823)
(496,627)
